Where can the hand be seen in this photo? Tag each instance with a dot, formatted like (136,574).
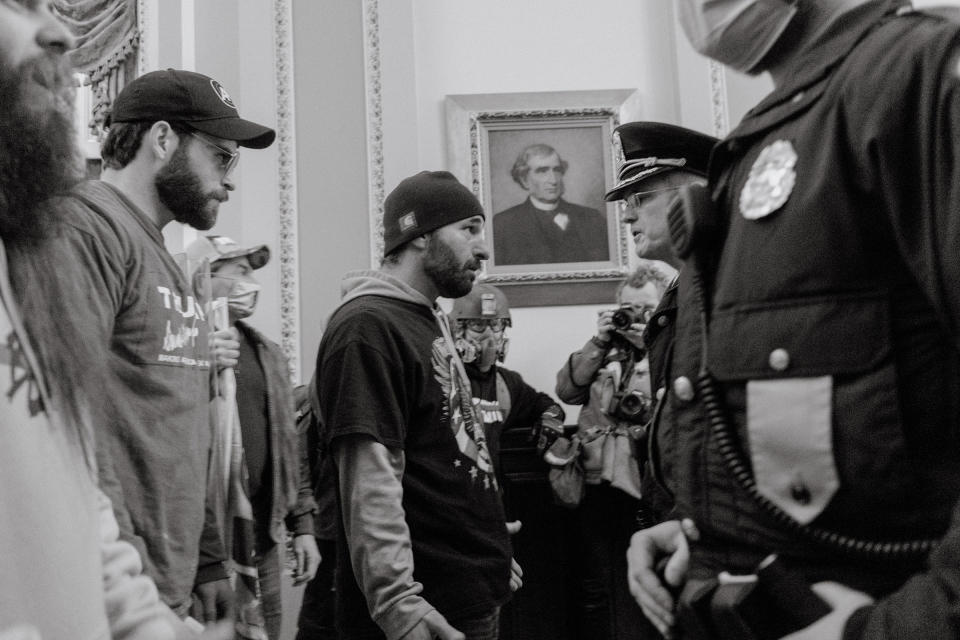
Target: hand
(647,548)
(433,625)
(516,575)
(225,346)
(308,558)
(212,601)
(844,602)
(605,328)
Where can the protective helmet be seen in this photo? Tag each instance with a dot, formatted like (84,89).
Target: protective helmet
(484,302)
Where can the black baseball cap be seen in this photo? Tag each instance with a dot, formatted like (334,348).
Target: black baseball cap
(191,98)
(646,149)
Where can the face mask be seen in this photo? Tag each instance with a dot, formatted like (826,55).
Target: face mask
(242,299)
(484,351)
(736,33)
(488,353)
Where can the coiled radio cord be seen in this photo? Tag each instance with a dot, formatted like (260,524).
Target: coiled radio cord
(735,460)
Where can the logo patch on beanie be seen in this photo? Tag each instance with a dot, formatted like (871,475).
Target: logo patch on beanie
(222,94)
(407,221)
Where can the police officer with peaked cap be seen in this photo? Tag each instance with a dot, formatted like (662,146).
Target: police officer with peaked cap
(654,160)
(814,383)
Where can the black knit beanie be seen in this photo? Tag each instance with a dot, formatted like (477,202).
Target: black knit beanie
(424,202)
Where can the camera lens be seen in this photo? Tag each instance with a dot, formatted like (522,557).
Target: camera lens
(633,406)
(623,318)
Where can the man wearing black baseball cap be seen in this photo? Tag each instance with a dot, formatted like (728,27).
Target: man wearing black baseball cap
(169,153)
(191,98)
(423,550)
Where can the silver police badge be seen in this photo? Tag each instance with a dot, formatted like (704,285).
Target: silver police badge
(770,182)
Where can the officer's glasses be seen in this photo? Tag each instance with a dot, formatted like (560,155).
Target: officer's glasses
(226,159)
(497,325)
(637,198)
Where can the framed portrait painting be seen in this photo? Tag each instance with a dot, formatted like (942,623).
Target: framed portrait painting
(540,164)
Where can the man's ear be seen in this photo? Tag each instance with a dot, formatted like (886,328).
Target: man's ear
(421,242)
(163,140)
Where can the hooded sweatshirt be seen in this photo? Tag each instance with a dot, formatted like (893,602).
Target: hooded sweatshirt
(423,520)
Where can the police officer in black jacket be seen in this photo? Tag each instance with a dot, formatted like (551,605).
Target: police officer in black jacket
(654,160)
(811,409)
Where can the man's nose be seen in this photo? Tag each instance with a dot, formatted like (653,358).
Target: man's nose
(52,35)
(627,214)
(228,183)
(481,252)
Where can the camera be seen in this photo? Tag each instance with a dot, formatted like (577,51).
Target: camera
(630,405)
(624,317)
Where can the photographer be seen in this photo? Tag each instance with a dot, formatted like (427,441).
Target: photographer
(609,376)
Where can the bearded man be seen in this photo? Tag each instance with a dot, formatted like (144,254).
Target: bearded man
(171,146)
(423,549)
(63,571)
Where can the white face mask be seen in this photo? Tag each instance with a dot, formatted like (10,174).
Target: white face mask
(242,299)
(736,33)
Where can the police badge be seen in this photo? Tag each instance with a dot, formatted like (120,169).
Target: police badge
(770,182)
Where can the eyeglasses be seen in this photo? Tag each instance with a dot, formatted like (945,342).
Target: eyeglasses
(636,198)
(228,159)
(497,325)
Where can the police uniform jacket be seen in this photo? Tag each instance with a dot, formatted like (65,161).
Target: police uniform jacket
(833,296)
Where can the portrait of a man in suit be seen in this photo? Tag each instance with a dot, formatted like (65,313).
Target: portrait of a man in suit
(545,228)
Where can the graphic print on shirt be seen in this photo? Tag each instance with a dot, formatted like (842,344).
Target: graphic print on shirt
(180,320)
(462,415)
(11,354)
(490,411)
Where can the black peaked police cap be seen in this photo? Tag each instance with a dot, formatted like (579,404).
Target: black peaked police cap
(646,149)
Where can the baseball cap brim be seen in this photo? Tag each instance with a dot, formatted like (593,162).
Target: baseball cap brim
(258,255)
(243,132)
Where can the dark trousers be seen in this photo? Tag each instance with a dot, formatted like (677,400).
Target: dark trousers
(606,518)
(482,627)
(316,621)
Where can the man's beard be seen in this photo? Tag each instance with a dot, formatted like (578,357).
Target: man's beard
(181,192)
(453,280)
(39,157)
(39,160)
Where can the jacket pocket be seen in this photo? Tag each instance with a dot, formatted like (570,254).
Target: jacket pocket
(822,409)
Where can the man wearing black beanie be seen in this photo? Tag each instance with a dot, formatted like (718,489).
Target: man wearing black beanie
(425,550)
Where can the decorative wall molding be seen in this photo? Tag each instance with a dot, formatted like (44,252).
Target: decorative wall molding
(287,186)
(142,25)
(719,112)
(373,90)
